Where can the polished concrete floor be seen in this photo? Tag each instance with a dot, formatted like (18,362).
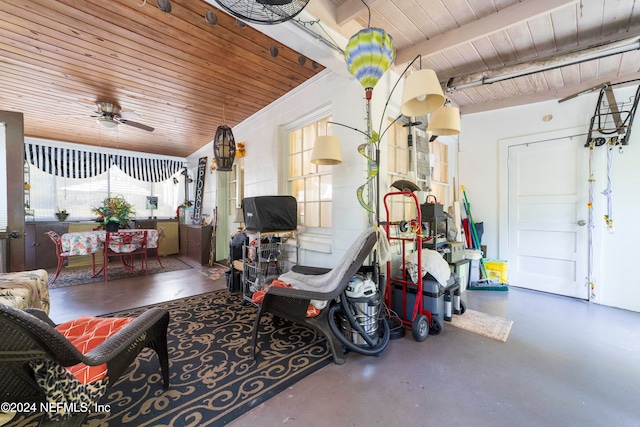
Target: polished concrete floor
(566,363)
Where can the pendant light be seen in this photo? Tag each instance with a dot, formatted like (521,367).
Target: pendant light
(224,146)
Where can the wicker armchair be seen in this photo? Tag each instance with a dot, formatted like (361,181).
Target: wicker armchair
(292,303)
(29,335)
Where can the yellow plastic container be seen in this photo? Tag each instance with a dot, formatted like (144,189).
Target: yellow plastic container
(497,269)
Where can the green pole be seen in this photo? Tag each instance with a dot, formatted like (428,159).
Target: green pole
(474,233)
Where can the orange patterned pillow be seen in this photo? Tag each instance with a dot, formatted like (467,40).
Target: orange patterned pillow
(258,296)
(86,333)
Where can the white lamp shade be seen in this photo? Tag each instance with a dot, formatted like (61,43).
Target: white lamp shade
(421,94)
(445,121)
(326,151)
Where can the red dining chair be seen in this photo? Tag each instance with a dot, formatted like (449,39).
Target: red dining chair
(55,238)
(126,244)
(160,235)
(62,255)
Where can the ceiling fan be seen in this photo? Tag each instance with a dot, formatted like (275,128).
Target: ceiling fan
(110,115)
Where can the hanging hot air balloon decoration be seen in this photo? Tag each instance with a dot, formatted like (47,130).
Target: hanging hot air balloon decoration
(369,54)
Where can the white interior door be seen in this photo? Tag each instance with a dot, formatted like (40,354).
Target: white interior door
(548,234)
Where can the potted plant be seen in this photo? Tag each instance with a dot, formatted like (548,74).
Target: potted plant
(61,214)
(113,213)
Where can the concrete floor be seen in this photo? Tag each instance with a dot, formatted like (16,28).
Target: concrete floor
(566,363)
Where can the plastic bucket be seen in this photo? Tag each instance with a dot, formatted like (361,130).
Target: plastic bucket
(497,269)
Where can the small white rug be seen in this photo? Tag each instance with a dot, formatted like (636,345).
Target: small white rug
(495,327)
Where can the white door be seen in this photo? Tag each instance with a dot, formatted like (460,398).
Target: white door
(548,187)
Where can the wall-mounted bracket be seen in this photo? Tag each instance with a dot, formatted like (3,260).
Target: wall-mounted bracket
(611,120)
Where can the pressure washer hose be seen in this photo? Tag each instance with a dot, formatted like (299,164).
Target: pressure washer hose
(373,349)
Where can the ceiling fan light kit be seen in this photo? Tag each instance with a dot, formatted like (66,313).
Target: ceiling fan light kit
(263,11)
(107,123)
(110,116)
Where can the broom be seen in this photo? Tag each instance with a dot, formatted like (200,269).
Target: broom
(493,284)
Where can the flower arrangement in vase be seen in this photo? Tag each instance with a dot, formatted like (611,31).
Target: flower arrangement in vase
(62,215)
(113,213)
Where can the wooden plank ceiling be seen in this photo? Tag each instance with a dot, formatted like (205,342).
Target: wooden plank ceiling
(470,43)
(170,71)
(183,77)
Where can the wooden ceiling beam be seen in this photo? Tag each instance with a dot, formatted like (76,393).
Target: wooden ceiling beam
(351,9)
(548,95)
(491,24)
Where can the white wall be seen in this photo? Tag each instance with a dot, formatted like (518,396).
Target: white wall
(265,138)
(616,283)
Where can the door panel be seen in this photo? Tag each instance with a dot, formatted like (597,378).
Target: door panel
(13,171)
(547,199)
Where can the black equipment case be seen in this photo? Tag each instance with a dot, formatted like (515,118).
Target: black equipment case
(433,297)
(270,213)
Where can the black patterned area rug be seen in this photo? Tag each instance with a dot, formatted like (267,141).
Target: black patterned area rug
(212,380)
(72,276)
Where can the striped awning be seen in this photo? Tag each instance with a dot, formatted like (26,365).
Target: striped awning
(70,163)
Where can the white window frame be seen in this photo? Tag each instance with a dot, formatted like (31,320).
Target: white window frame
(316,239)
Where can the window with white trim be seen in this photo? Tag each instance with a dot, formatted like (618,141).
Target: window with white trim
(236,192)
(398,168)
(400,208)
(439,159)
(310,184)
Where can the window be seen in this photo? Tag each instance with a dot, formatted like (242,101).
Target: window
(437,183)
(76,179)
(310,184)
(236,193)
(439,170)
(400,208)
(78,195)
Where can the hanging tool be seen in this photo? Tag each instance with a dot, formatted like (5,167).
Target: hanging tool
(474,233)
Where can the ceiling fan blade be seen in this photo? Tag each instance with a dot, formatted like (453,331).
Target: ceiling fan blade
(129,114)
(136,125)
